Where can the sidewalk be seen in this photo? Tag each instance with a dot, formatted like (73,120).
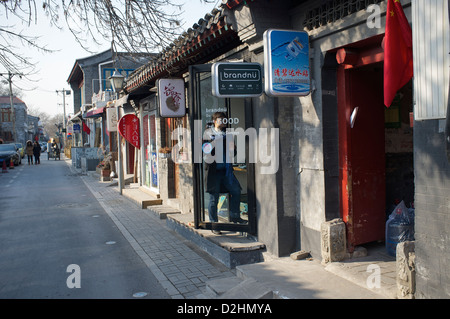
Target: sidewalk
(187,271)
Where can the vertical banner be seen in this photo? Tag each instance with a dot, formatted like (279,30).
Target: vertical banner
(172,97)
(111,119)
(286,60)
(129,128)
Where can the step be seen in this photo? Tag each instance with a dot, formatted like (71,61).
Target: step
(161,211)
(139,197)
(231,248)
(248,289)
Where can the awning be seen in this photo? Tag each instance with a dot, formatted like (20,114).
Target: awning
(76,117)
(94,113)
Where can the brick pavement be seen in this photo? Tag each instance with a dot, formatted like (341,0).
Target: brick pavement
(179,267)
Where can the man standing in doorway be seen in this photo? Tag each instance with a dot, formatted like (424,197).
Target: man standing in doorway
(219,170)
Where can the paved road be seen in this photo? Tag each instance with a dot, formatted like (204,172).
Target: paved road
(50,220)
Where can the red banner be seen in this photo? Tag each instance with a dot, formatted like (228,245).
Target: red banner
(129,128)
(398,52)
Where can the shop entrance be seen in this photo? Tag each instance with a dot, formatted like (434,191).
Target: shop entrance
(223,180)
(375,147)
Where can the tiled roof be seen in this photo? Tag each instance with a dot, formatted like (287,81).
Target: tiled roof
(6,100)
(204,38)
(234,3)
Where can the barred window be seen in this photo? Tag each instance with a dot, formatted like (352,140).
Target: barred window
(5,115)
(332,10)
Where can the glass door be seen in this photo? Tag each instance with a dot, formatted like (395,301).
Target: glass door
(223,176)
(153,152)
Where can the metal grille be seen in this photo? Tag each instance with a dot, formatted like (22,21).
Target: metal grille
(332,10)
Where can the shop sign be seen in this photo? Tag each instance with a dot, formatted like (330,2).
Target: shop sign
(171,97)
(236,79)
(286,63)
(129,128)
(111,119)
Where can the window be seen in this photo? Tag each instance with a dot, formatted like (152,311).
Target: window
(6,115)
(107,72)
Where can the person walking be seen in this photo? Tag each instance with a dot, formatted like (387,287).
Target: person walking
(37,152)
(29,151)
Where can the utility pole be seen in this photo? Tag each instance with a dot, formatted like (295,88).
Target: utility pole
(13,116)
(64,92)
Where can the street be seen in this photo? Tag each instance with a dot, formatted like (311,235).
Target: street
(56,241)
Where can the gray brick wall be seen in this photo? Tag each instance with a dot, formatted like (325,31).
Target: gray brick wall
(432,213)
(20,115)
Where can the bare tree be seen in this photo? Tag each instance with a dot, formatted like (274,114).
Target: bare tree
(53,124)
(4,89)
(131,25)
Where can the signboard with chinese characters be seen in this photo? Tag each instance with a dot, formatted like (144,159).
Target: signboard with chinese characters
(129,128)
(172,97)
(111,119)
(286,60)
(236,79)
(76,128)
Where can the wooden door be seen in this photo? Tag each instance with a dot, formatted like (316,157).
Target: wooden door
(362,153)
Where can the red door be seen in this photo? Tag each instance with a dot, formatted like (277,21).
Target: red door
(131,150)
(362,153)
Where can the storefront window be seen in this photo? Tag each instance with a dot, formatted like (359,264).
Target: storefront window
(150,150)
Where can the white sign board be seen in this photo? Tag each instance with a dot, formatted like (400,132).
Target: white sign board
(171,98)
(111,119)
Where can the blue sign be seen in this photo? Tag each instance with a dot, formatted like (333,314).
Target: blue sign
(76,128)
(286,60)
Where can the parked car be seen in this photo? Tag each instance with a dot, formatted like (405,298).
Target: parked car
(21,149)
(8,152)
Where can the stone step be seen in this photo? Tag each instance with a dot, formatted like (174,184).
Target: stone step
(161,211)
(248,289)
(217,287)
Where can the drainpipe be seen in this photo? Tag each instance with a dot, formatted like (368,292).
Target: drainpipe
(100,73)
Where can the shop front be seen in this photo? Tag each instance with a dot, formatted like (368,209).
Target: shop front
(150,144)
(222,137)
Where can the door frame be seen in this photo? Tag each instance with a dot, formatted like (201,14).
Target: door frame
(367,52)
(197,175)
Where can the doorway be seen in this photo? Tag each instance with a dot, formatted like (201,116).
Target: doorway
(375,149)
(231,210)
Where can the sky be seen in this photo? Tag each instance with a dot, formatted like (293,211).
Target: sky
(54,68)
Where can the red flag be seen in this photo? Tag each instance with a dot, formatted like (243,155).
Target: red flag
(86,128)
(398,53)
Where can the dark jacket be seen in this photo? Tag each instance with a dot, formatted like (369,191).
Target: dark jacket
(211,166)
(36,149)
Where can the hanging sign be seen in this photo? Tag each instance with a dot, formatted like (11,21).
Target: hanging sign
(76,128)
(129,128)
(111,119)
(172,98)
(286,60)
(236,79)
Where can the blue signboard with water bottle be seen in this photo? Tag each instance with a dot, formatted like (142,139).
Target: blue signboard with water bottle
(286,63)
